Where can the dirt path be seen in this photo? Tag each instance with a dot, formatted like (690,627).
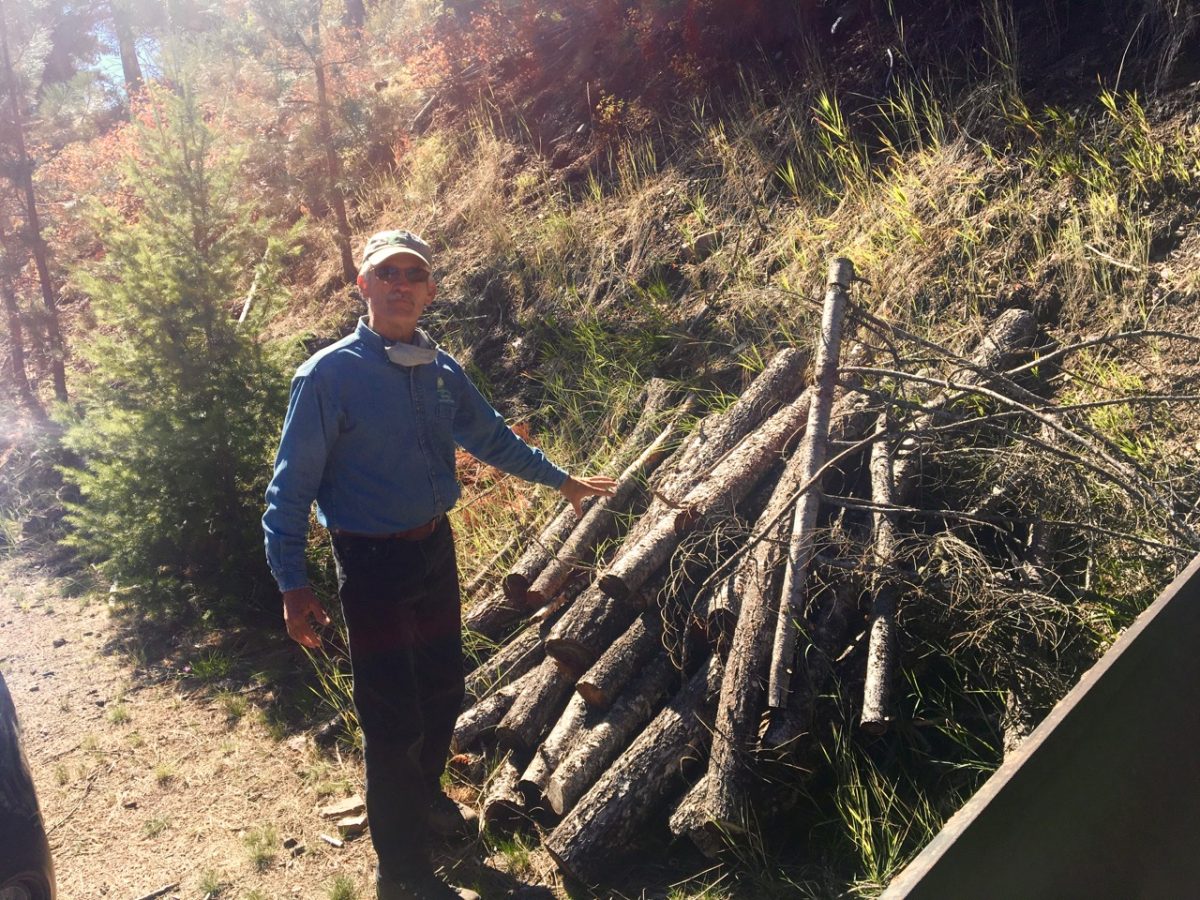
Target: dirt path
(148,778)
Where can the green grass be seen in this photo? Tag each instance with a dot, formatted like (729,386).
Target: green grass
(262,845)
(154,827)
(213,665)
(343,888)
(212,883)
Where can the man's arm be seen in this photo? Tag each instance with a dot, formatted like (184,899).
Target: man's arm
(486,436)
(308,434)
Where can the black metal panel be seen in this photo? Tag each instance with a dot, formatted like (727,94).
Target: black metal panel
(1103,799)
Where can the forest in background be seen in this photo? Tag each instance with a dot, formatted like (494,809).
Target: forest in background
(615,191)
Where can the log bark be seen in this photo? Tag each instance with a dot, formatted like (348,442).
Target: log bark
(831,628)
(525,570)
(743,686)
(550,753)
(598,745)
(494,617)
(881,648)
(487,571)
(530,564)
(727,485)
(717,434)
(601,826)
(522,653)
(478,721)
(812,450)
(690,819)
(600,684)
(586,629)
(534,709)
(503,804)
(599,523)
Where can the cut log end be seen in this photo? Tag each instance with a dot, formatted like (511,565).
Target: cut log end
(572,656)
(614,587)
(593,696)
(516,588)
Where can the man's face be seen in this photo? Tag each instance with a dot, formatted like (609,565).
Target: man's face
(394,306)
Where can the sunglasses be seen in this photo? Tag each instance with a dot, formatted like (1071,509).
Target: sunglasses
(391,274)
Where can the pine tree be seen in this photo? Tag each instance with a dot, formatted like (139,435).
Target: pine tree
(180,414)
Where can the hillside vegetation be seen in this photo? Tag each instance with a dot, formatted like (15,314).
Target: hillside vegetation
(617,192)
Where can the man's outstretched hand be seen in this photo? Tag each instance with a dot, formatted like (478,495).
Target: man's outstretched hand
(575,489)
(300,609)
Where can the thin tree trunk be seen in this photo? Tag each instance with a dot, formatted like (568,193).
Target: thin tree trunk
(599,523)
(16,339)
(881,648)
(332,161)
(550,753)
(598,745)
(587,628)
(841,272)
(484,716)
(601,826)
(536,707)
(725,486)
(503,805)
(743,686)
(127,46)
(603,682)
(494,617)
(535,557)
(24,178)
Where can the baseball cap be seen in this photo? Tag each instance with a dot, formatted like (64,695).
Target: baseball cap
(385,244)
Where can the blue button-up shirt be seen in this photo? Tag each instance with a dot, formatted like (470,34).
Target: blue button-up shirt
(373,443)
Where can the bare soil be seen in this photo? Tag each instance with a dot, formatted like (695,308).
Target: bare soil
(151,776)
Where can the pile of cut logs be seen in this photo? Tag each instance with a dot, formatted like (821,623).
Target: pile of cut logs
(652,654)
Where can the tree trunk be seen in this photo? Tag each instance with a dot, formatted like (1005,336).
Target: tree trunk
(601,826)
(520,654)
(841,271)
(601,683)
(127,46)
(503,805)
(690,819)
(881,649)
(535,558)
(487,571)
(743,686)
(485,715)
(599,523)
(16,339)
(332,161)
(586,629)
(525,570)
(550,753)
(538,704)
(596,746)
(494,617)
(724,487)
(24,180)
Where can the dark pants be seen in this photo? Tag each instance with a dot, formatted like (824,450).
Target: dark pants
(402,608)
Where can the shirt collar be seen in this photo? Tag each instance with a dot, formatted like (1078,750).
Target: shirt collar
(421,351)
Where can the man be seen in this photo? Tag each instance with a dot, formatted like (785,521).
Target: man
(370,434)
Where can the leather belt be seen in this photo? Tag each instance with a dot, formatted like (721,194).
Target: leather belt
(412,534)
